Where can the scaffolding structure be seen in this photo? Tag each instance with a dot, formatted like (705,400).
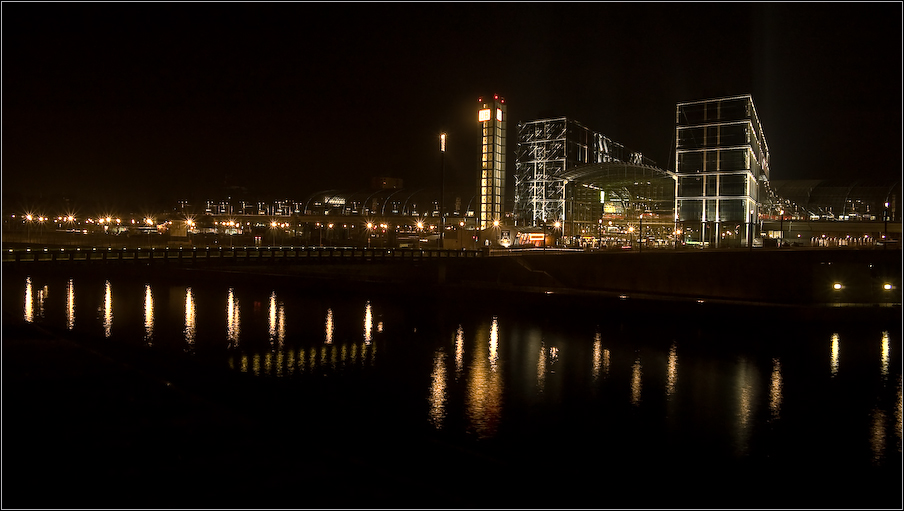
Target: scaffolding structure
(547,150)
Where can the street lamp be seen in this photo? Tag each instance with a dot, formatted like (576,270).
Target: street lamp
(885,234)
(442,193)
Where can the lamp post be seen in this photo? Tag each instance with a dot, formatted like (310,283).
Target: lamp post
(442,193)
(885,232)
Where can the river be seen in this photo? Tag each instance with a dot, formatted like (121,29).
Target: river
(541,403)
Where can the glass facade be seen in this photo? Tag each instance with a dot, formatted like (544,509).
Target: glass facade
(547,150)
(722,164)
(492,117)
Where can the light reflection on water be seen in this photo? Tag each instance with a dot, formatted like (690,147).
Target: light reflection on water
(329,326)
(596,358)
(459,352)
(233,326)
(834,355)
(189,328)
(484,390)
(148,315)
(70,305)
(29,301)
(368,323)
(775,389)
(636,381)
(437,396)
(877,435)
(494,374)
(108,309)
(672,380)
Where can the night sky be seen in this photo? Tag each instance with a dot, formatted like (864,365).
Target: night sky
(152,102)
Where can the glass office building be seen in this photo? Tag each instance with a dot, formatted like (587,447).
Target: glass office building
(722,164)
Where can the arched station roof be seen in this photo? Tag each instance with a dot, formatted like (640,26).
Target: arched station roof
(615,174)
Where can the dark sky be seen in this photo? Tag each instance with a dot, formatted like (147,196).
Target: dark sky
(154,101)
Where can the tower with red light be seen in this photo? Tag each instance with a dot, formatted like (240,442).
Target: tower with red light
(491,181)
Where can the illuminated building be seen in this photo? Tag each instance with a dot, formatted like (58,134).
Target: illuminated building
(492,117)
(722,164)
(547,150)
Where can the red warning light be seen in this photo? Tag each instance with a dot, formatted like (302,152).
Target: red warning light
(495,96)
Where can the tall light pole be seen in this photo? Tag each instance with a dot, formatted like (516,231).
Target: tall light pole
(885,233)
(442,193)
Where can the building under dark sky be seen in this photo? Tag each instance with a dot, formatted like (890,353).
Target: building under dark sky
(156,101)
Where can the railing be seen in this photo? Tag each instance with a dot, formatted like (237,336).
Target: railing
(230,255)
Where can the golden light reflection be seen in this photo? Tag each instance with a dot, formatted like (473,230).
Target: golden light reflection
(268,363)
(29,301)
(834,355)
(190,320)
(437,395)
(459,352)
(232,319)
(775,389)
(272,317)
(605,363)
(148,314)
(70,305)
(368,323)
(281,326)
(541,368)
(899,414)
(329,326)
(885,353)
(672,380)
(484,392)
(244,363)
(313,359)
(494,344)
(745,388)
(744,397)
(333,354)
(877,435)
(42,295)
(256,364)
(597,359)
(636,382)
(290,361)
(380,327)
(108,309)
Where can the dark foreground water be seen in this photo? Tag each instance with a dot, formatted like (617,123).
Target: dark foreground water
(489,401)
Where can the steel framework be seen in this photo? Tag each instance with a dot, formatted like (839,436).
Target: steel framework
(547,150)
